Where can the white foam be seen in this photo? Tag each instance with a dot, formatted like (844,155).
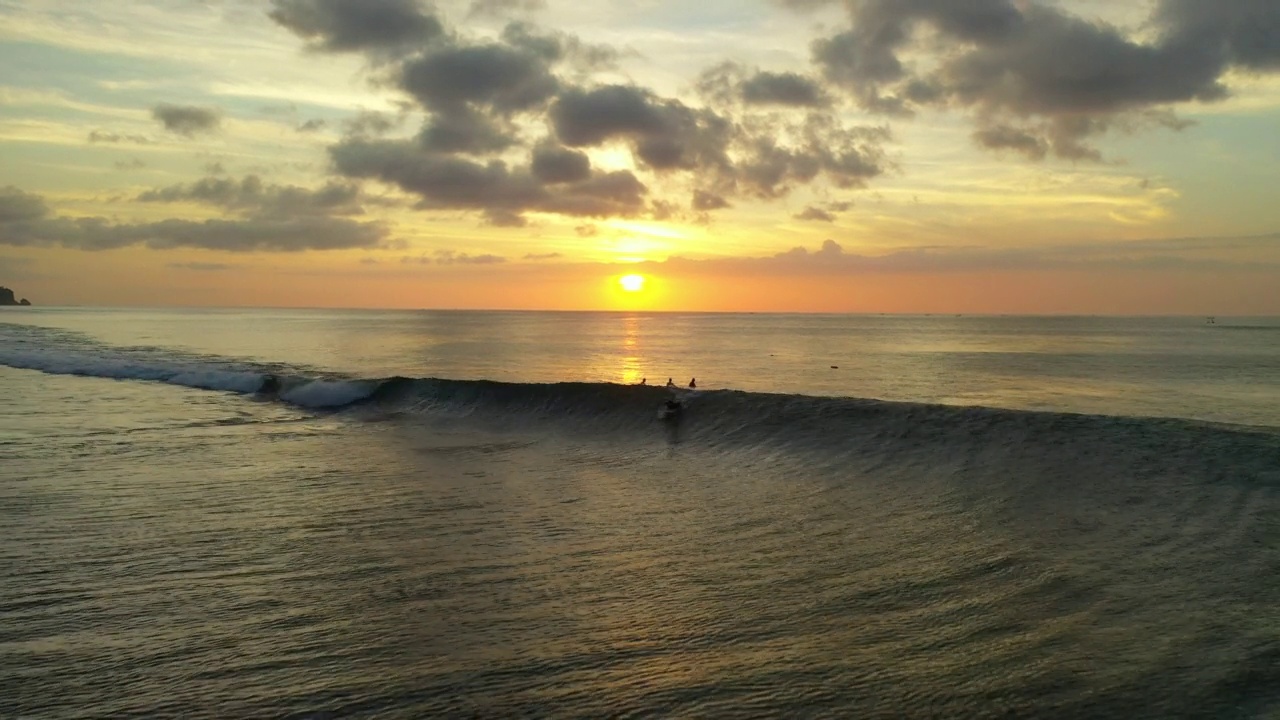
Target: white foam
(327,393)
(70,362)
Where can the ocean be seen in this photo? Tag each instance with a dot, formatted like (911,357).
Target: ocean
(480,514)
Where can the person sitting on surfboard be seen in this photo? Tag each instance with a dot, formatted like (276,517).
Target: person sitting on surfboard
(671,383)
(693,382)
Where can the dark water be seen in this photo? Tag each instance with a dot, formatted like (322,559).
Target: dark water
(174,545)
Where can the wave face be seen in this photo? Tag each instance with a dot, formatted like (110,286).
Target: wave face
(865,432)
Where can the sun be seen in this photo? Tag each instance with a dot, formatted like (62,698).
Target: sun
(632,283)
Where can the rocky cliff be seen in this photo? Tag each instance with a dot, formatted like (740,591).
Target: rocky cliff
(8,298)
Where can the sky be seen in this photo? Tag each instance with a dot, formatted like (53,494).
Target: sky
(937,156)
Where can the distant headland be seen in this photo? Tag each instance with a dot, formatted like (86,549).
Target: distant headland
(8,298)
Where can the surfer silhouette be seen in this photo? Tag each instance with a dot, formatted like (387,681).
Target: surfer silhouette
(693,382)
(671,383)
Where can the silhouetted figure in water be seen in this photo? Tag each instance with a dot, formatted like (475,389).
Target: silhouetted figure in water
(671,383)
(644,381)
(693,382)
(671,410)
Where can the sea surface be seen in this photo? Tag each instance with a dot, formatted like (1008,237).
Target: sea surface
(480,514)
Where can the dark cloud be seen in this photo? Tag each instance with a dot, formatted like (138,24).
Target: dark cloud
(591,117)
(463,130)
(250,194)
(553,164)
(816,214)
(730,83)
(499,77)
(1037,79)
(535,257)
(704,201)
(187,120)
(18,206)
(98,136)
(312,125)
(501,193)
(664,134)
(819,145)
(1247,32)
(558,47)
(288,235)
(25,220)
(485,98)
(766,88)
(1003,137)
(376,27)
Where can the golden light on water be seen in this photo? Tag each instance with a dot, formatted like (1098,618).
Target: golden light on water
(632,283)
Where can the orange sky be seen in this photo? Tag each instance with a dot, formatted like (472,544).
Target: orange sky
(743,156)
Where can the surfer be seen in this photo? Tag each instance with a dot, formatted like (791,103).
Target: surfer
(693,382)
(670,409)
(671,383)
(270,385)
(644,381)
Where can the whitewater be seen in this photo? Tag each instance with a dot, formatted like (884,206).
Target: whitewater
(480,515)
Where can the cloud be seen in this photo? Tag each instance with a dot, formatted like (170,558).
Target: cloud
(464,130)
(1037,79)
(250,194)
(99,136)
(816,214)
(312,125)
(766,88)
(203,266)
(377,27)
(535,257)
(729,83)
(452,257)
(553,164)
(18,206)
(187,120)
(665,134)
(1156,254)
(499,8)
(1003,137)
(449,257)
(371,123)
(26,220)
(132,164)
(705,201)
(484,99)
(501,78)
(502,193)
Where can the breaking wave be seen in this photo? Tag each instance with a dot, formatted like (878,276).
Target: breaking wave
(857,431)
